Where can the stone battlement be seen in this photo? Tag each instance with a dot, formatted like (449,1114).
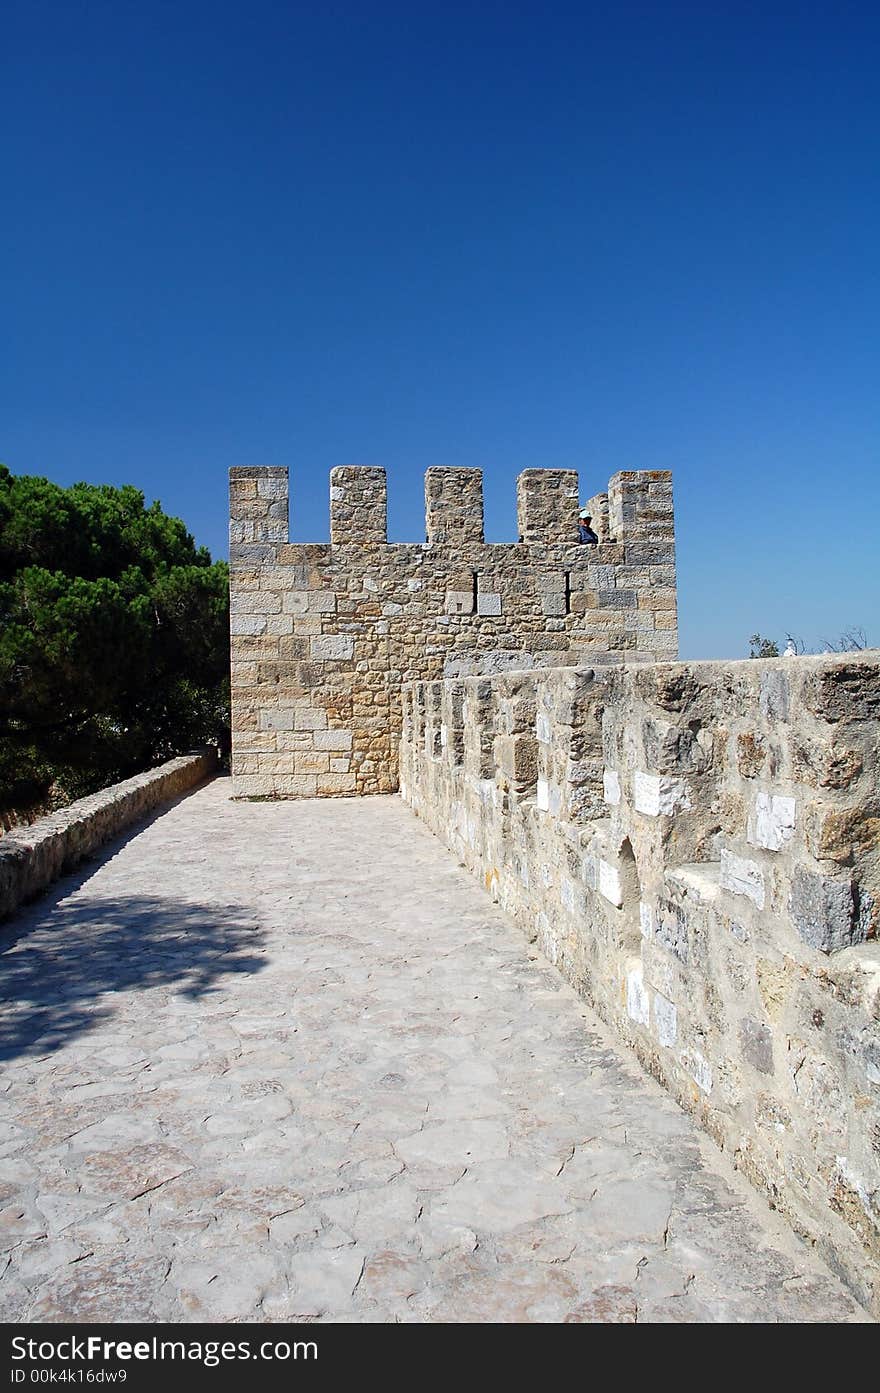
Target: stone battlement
(325,634)
(695,846)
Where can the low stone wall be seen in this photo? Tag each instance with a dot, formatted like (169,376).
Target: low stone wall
(696,846)
(32,857)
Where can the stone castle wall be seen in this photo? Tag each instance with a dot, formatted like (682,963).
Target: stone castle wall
(31,857)
(324,635)
(697,848)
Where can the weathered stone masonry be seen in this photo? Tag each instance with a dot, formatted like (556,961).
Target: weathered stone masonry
(325,635)
(697,848)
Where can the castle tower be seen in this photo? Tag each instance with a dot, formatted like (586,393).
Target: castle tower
(323,635)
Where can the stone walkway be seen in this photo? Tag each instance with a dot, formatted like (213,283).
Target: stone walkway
(280,1061)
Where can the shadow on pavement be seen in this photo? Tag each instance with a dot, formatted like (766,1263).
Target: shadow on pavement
(61,961)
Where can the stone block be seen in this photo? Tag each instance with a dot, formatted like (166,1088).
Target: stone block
(277,718)
(773,696)
(550,582)
(279,625)
(671,930)
(611,787)
(254,602)
(247,624)
(553,604)
(699,1068)
(273,488)
(571,897)
(742,877)
(336,783)
(658,795)
(310,762)
(252,785)
(665,1020)
(618,599)
(459,602)
(609,883)
(296,785)
(638,1005)
(756,1044)
(488,604)
(330,646)
(771,825)
(824,910)
(321,602)
(332,739)
(846,691)
(543,728)
(309,718)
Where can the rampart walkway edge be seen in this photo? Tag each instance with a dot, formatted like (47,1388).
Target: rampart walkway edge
(270,1062)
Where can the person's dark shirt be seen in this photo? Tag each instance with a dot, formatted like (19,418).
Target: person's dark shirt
(586,534)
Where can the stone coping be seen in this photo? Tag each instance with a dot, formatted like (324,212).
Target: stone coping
(32,857)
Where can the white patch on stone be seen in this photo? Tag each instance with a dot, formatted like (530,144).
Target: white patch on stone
(543,728)
(772,823)
(665,1020)
(609,883)
(337,493)
(370,583)
(638,1003)
(646,919)
(699,1069)
(742,877)
(459,602)
(332,646)
(568,895)
(414,583)
(391,608)
(542,796)
(444,736)
(658,795)
(611,787)
(488,604)
(590,871)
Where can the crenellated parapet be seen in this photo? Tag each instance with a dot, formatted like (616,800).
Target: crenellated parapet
(258,504)
(547,505)
(358,504)
(323,634)
(454,505)
(696,847)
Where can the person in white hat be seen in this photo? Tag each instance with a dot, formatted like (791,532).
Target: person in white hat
(585,531)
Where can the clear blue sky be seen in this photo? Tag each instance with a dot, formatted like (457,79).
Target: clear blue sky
(505,235)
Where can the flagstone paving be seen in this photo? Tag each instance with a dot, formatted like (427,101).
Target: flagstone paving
(268,1062)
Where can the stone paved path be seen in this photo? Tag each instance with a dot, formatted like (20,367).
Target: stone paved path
(275,1061)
